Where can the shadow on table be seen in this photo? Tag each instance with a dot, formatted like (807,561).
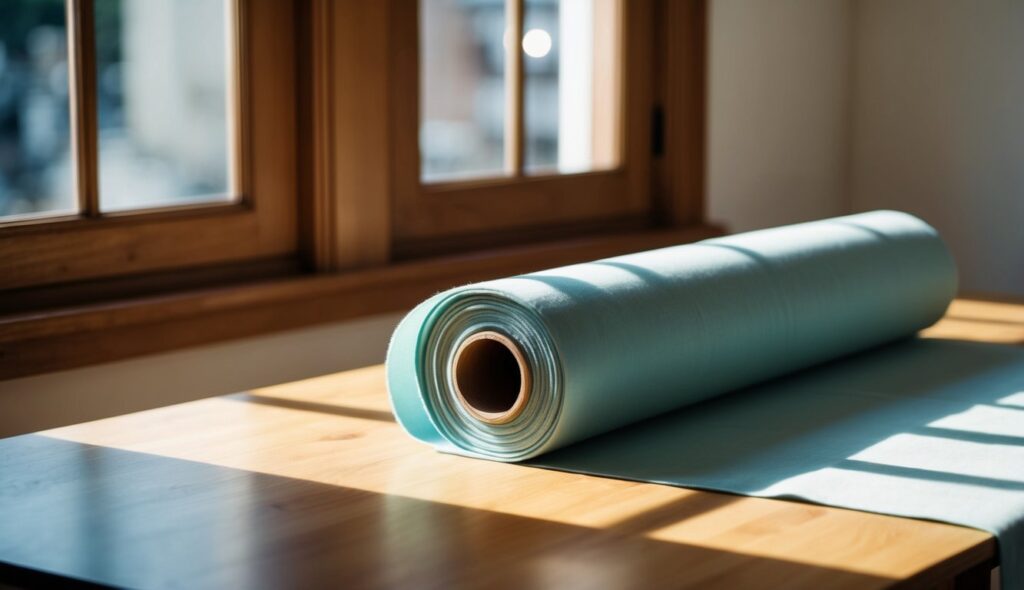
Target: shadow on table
(308,406)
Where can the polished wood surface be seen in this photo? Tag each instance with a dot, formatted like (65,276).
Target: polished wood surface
(313,484)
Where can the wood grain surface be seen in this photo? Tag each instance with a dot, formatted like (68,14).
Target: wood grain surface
(313,484)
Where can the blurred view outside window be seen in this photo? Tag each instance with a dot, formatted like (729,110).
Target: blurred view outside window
(163,80)
(571,60)
(462,88)
(35,164)
(570,69)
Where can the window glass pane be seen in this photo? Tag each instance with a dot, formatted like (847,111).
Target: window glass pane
(571,58)
(35,150)
(462,88)
(163,79)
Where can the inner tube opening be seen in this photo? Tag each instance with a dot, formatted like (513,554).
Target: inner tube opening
(491,377)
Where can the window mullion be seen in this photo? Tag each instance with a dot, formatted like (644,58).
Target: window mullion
(514,134)
(82,81)
(237,102)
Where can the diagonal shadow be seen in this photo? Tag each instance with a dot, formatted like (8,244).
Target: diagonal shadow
(929,474)
(308,406)
(991,321)
(646,274)
(970,435)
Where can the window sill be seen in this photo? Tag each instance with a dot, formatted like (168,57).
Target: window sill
(68,337)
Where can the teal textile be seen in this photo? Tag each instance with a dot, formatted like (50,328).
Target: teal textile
(778,363)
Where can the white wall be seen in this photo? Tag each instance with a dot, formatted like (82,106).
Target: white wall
(778,120)
(938,126)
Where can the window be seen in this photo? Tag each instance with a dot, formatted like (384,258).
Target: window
(135,137)
(546,131)
(177,172)
(478,119)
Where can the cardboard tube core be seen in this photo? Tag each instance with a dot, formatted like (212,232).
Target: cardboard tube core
(492,379)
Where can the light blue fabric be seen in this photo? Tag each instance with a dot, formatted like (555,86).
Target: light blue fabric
(639,365)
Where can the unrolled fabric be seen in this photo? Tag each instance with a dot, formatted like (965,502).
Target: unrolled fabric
(777,363)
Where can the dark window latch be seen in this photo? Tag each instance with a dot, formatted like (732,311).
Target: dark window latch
(658,131)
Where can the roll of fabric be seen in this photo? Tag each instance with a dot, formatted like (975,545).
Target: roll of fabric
(615,341)
(665,366)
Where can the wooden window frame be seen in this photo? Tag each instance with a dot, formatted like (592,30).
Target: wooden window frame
(426,211)
(350,250)
(260,223)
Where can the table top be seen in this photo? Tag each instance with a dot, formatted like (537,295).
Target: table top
(313,484)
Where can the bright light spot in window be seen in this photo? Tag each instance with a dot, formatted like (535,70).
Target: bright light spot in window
(537,43)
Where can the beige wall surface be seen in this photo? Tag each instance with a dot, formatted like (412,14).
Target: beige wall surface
(819,108)
(938,126)
(778,112)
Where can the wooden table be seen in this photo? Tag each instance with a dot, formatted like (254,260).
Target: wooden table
(312,484)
